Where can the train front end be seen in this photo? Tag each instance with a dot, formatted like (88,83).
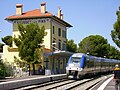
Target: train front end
(75,65)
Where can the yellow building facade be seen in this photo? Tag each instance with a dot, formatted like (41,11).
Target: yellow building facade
(55,27)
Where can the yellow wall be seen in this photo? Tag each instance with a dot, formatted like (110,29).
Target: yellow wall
(63,40)
(9,53)
(15,34)
(47,39)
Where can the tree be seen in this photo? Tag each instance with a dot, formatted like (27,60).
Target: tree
(113,53)
(115,33)
(94,45)
(1,47)
(2,70)
(30,37)
(7,40)
(71,46)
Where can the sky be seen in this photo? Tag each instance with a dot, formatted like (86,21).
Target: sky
(88,17)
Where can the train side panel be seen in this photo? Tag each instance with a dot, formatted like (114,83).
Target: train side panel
(81,65)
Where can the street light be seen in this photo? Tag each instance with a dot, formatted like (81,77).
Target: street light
(53,43)
(52,57)
(53,46)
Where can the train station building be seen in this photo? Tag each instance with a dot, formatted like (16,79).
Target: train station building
(54,54)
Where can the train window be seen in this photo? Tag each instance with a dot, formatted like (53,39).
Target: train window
(97,65)
(75,60)
(90,63)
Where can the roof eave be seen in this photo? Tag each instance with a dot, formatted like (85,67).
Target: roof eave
(11,19)
(50,16)
(58,19)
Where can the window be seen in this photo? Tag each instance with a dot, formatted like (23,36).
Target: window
(63,46)
(59,31)
(75,60)
(59,45)
(53,30)
(63,33)
(53,46)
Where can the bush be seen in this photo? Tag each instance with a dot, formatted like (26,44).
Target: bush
(8,70)
(2,70)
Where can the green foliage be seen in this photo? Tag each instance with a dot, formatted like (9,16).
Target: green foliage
(114,53)
(7,40)
(1,47)
(38,55)
(115,33)
(21,63)
(94,45)
(71,46)
(2,70)
(9,71)
(6,69)
(29,38)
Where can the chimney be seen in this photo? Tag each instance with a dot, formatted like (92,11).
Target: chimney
(43,7)
(59,12)
(19,9)
(61,16)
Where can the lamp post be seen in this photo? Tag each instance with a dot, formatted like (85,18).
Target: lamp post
(53,57)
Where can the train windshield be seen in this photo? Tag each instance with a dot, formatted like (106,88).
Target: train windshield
(75,60)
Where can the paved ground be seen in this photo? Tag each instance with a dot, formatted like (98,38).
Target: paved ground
(110,86)
(107,84)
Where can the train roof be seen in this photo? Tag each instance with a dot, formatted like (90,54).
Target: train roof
(96,58)
(78,54)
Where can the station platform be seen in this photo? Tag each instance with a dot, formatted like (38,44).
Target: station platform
(19,78)
(107,84)
(110,85)
(13,83)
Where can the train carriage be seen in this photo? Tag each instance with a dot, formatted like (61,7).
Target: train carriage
(80,64)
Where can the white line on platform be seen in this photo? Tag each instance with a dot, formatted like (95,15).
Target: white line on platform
(105,84)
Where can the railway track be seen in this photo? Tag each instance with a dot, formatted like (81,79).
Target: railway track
(65,84)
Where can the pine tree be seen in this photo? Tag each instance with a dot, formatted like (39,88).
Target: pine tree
(31,36)
(115,33)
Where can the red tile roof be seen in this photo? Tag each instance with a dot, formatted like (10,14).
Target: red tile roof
(36,14)
(30,14)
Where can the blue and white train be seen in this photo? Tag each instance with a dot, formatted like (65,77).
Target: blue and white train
(80,64)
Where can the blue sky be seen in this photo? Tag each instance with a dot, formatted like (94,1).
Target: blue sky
(88,17)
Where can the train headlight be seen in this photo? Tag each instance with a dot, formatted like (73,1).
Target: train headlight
(80,69)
